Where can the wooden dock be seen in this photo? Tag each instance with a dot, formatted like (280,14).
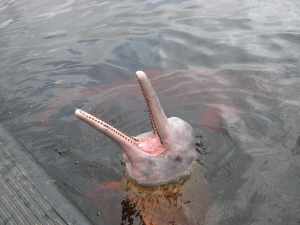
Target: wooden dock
(27,195)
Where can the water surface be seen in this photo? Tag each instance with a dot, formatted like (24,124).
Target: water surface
(229,67)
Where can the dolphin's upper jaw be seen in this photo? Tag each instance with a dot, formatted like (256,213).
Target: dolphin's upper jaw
(157,157)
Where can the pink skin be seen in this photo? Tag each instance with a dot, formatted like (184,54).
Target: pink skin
(160,156)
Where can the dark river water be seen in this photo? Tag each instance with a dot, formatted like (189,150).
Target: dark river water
(229,67)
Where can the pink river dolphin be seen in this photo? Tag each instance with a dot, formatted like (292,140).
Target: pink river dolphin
(163,182)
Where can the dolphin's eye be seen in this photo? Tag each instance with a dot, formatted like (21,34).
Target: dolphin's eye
(178,158)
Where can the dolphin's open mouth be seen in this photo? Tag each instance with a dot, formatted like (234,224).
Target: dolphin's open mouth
(163,155)
(153,144)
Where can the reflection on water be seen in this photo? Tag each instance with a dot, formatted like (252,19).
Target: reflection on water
(230,68)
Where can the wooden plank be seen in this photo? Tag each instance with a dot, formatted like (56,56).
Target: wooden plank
(27,194)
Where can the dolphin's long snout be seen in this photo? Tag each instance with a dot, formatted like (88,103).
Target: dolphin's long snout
(158,118)
(105,128)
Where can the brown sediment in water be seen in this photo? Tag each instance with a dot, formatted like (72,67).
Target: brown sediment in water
(146,196)
(155,205)
(183,202)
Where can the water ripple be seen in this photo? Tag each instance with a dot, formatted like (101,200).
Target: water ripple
(229,67)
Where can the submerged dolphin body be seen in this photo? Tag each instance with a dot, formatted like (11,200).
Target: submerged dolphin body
(159,165)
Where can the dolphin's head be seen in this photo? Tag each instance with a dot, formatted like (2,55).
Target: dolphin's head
(163,155)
